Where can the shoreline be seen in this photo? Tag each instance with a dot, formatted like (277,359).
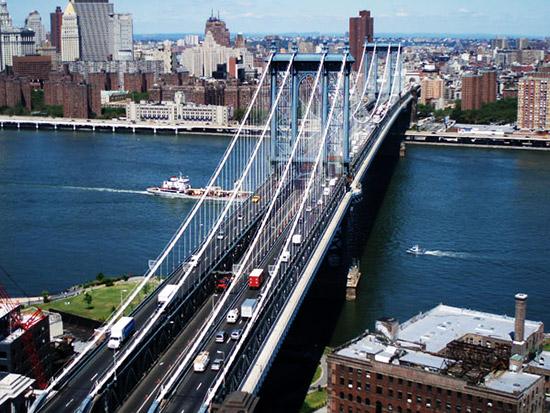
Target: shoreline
(474,145)
(112,126)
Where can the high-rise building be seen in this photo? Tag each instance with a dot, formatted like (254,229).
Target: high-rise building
(34,22)
(13,41)
(70,35)
(534,102)
(500,43)
(240,41)
(94,21)
(431,90)
(122,29)
(478,90)
(55,28)
(361,29)
(523,43)
(219,31)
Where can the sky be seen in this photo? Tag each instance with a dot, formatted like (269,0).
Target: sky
(487,17)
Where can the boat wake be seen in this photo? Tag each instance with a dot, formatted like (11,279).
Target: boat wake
(449,254)
(121,191)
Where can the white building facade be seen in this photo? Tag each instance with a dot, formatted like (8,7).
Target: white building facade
(13,41)
(70,36)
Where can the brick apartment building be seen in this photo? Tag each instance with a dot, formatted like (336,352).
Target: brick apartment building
(446,360)
(361,29)
(534,102)
(478,90)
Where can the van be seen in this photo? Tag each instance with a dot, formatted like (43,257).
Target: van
(285,256)
(201,361)
(233,316)
(297,239)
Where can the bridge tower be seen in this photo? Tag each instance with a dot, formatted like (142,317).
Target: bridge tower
(285,124)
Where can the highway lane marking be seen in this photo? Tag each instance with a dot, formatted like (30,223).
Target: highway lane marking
(93,378)
(199,386)
(70,401)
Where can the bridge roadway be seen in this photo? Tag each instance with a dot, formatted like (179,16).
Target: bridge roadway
(193,387)
(79,385)
(143,396)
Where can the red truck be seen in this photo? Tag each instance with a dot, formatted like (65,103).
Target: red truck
(256,278)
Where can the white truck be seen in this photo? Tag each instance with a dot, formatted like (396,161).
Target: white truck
(247,307)
(167,293)
(201,361)
(297,239)
(233,316)
(120,331)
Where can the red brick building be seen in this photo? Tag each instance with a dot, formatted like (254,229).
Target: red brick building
(56,18)
(36,68)
(75,100)
(446,360)
(478,90)
(361,29)
(15,92)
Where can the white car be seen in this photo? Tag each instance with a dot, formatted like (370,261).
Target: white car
(216,364)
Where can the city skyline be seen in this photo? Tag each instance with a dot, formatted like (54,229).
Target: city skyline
(491,17)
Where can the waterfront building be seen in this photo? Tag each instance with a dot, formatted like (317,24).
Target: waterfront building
(70,35)
(178,111)
(361,29)
(34,23)
(56,20)
(218,29)
(447,359)
(13,41)
(478,89)
(534,102)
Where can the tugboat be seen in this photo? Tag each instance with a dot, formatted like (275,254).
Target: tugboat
(354,275)
(180,187)
(416,250)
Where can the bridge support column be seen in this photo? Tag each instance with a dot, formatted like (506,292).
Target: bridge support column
(375,74)
(294,107)
(366,64)
(324,115)
(345,144)
(389,74)
(273,126)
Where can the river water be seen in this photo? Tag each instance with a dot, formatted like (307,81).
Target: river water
(73,205)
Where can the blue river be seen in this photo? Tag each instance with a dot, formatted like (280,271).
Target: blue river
(73,205)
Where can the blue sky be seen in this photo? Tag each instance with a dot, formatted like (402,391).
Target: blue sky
(512,17)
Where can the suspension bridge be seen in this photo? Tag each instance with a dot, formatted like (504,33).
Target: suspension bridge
(303,152)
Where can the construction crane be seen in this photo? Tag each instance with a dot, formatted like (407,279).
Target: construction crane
(16,322)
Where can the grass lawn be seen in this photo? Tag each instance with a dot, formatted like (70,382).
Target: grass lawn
(103,300)
(547,346)
(314,401)
(317,374)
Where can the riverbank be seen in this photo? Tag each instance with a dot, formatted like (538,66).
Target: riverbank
(99,302)
(114,126)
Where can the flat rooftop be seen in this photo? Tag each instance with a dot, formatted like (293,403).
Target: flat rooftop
(510,381)
(443,324)
(542,361)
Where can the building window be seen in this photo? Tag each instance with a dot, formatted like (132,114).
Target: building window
(341,394)
(390,392)
(359,385)
(429,388)
(358,399)
(419,399)
(342,381)
(390,407)
(399,395)
(390,378)
(419,386)
(449,392)
(350,384)
(367,402)
(399,409)
(367,387)
(379,376)
(399,381)
(350,397)
(378,390)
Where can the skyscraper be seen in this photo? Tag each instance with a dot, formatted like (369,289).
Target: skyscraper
(34,22)
(219,31)
(122,30)
(14,41)
(70,36)
(94,20)
(55,28)
(361,29)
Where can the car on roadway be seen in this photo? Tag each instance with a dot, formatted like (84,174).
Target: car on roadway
(221,235)
(240,217)
(220,337)
(236,334)
(216,364)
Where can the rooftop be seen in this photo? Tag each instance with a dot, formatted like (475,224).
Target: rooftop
(443,324)
(510,381)
(542,361)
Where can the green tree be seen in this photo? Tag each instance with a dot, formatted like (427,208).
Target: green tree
(100,277)
(88,300)
(45,296)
